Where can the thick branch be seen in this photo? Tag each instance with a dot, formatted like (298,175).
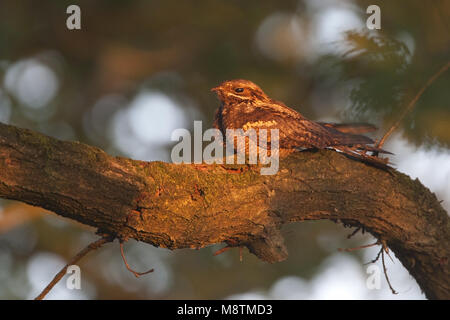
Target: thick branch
(192,206)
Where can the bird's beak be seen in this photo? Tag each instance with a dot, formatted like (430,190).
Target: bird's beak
(215,89)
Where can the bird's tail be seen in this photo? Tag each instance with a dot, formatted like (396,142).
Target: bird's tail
(371,148)
(358,146)
(359,152)
(349,140)
(356,141)
(352,128)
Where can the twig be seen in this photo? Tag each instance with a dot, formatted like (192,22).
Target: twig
(385,271)
(411,104)
(91,247)
(136,274)
(376,258)
(384,248)
(360,247)
(220,251)
(354,232)
(226,248)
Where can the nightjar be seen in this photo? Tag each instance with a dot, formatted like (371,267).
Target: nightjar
(244,105)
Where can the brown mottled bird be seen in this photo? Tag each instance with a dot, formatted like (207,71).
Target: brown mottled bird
(244,105)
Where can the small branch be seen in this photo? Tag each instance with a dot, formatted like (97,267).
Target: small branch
(136,274)
(383,249)
(376,258)
(359,247)
(385,271)
(91,247)
(412,104)
(353,233)
(220,251)
(386,249)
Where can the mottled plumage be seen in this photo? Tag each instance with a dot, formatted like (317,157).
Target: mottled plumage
(244,105)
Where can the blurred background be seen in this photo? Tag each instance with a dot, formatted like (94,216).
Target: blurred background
(139,69)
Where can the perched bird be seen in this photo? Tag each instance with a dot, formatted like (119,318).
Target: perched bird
(244,105)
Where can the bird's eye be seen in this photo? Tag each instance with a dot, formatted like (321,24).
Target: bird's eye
(238,90)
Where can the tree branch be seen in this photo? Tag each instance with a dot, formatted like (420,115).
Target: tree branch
(412,103)
(90,247)
(193,206)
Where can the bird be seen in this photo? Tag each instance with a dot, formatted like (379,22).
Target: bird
(245,105)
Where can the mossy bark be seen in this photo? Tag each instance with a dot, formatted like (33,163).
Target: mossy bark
(192,206)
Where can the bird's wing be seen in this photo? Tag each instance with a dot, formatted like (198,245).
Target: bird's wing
(353,128)
(295,131)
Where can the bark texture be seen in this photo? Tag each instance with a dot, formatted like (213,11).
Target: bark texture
(192,206)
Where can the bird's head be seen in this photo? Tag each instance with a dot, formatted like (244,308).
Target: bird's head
(239,90)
